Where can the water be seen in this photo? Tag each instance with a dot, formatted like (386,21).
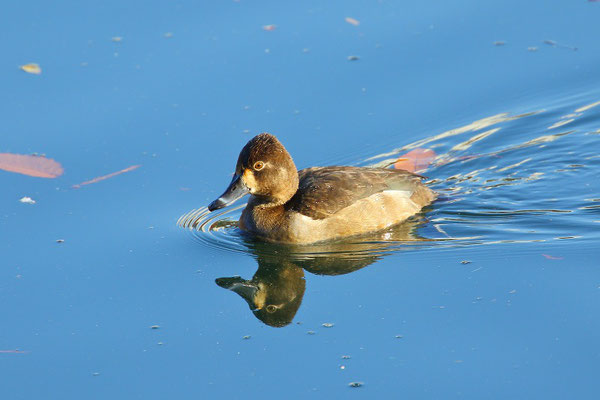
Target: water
(492,292)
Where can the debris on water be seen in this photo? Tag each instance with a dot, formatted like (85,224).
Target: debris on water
(27,200)
(117,39)
(32,68)
(352,21)
(38,165)
(465,262)
(399,336)
(103,177)
(556,44)
(155,327)
(60,240)
(513,291)
(415,160)
(269,27)
(160,343)
(356,384)
(342,367)
(310,332)
(353,58)
(346,357)
(532,48)
(499,43)
(168,35)
(327,325)
(95,373)
(246,337)
(549,257)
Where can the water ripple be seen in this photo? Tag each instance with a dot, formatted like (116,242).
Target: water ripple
(509,181)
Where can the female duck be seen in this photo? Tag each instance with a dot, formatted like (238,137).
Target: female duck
(319,203)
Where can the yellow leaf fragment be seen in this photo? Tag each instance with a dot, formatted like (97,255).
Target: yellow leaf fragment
(31,68)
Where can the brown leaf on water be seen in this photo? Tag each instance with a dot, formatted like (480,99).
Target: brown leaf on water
(31,68)
(103,177)
(352,21)
(415,160)
(38,166)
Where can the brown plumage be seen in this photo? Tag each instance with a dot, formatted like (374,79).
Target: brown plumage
(318,203)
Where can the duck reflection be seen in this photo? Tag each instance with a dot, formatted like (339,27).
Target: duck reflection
(275,292)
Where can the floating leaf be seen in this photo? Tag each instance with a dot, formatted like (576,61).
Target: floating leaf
(415,160)
(352,21)
(38,166)
(31,68)
(103,177)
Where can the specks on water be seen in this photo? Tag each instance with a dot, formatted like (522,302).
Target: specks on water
(346,357)
(356,384)
(155,327)
(353,58)
(499,43)
(532,49)
(310,332)
(95,373)
(465,262)
(513,291)
(399,336)
(327,325)
(246,337)
(60,240)
(27,200)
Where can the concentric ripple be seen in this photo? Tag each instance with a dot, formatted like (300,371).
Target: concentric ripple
(216,229)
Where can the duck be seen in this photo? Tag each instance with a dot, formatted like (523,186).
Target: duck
(317,204)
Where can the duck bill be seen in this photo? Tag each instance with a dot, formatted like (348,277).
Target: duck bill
(236,190)
(246,289)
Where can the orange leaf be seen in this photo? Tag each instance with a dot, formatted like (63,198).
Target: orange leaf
(41,167)
(103,177)
(415,160)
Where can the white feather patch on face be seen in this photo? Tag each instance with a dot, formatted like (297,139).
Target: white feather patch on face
(249,180)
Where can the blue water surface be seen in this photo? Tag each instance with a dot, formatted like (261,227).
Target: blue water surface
(492,292)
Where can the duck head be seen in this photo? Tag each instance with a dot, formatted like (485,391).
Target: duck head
(274,294)
(265,170)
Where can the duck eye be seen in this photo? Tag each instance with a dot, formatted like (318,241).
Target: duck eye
(271,308)
(258,165)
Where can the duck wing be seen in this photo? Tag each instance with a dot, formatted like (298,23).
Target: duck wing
(323,191)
